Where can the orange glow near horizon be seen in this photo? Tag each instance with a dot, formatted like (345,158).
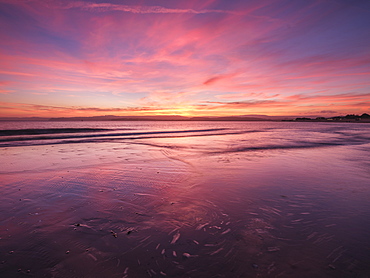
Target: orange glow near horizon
(213,58)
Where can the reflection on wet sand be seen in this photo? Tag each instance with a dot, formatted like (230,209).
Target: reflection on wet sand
(145,210)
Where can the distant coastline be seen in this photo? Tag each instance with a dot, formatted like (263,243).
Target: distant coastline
(348,118)
(364,118)
(151,118)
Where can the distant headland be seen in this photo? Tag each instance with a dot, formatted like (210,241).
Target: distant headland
(348,118)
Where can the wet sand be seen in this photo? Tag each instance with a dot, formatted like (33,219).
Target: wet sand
(146,210)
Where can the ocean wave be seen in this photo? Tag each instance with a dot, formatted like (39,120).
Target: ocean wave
(37,131)
(64,135)
(285,146)
(230,139)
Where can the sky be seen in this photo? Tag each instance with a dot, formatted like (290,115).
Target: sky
(184,57)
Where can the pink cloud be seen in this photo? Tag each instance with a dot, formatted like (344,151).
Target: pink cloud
(215,79)
(2,91)
(248,96)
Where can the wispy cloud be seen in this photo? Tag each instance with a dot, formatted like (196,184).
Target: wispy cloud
(143,9)
(215,79)
(62,111)
(106,7)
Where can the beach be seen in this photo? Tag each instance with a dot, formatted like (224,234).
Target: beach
(185,199)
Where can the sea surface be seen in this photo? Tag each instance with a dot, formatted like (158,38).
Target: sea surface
(184,199)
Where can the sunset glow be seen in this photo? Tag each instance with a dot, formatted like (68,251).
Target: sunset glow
(190,58)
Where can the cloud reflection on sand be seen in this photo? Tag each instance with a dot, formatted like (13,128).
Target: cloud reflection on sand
(189,206)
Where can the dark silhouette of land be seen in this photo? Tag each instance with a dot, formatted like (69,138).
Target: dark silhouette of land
(348,118)
(151,118)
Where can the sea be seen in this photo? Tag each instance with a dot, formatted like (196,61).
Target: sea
(184,199)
